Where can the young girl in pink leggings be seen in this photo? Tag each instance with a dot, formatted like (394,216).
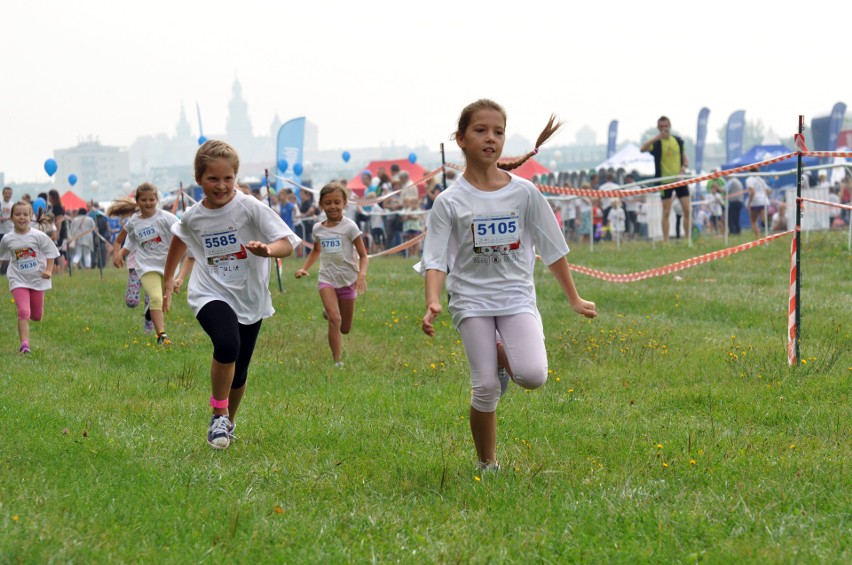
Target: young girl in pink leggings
(31,254)
(481,239)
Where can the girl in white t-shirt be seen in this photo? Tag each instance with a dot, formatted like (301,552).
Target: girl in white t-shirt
(228,290)
(147,234)
(337,241)
(758,201)
(481,238)
(30,253)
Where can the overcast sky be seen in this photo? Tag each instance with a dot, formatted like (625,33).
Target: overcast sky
(375,72)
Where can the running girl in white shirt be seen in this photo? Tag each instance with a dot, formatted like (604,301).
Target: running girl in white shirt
(341,278)
(481,239)
(148,234)
(228,290)
(30,253)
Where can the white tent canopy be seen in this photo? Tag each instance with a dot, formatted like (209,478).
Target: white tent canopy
(630,159)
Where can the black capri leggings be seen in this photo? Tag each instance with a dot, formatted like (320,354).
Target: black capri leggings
(233,342)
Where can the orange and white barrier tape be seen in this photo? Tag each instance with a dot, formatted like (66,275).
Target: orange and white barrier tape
(826,203)
(674,267)
(846,154)
(791,312)
(401,247)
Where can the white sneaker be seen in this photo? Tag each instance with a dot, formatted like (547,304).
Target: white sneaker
(503,376)
(339,364)
(231,427)
(217,435)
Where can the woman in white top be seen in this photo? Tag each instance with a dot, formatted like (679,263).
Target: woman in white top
(758,200)
(481,240)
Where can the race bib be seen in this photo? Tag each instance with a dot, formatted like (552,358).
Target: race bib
(26,260)
(332,245)
(26,264)
(226,258)
(221,243)
(232,270)
(148,237)
(496,233)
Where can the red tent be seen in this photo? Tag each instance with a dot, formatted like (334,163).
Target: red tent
(415,172)
(530,168)
(71,201)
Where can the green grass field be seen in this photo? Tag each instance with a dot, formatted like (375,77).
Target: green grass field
(671,428)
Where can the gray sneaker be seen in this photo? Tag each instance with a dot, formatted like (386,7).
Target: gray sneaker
(231,427)
(485,467)
(503,376)
(217,435)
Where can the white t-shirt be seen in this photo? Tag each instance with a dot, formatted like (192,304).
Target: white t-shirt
(82,224)
(606,202)
(7,225)
(487,242)
(338,257)
(150,238)
(27,254)
(224,269)
(617,217)
(760,189)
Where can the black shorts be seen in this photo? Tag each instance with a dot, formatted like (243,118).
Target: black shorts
(681,191)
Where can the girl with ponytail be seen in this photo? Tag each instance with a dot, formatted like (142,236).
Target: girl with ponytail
(481,240)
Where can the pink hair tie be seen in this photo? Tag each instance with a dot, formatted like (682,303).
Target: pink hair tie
(535,151)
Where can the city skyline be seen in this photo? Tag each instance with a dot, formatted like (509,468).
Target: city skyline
(377,74)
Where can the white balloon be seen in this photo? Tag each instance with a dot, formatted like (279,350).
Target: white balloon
(95,184)
(553,164)
(557,155)
(307,167)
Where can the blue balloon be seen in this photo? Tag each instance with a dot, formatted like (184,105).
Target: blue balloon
(72,179)
(412,158)
(202,140)
(297,169)
(282,165)
(39,204)
(346,156)
(50,167)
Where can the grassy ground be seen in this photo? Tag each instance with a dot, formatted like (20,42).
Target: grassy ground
(671,428)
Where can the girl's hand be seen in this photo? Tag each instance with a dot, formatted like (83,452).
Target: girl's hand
(178,285)
(258,248)
(46,274)
(361,284)
(302,273)
(118,261)
(432,311)
(585,308)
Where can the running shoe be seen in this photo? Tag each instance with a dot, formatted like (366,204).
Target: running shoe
(25,349)
(503,376)
(217,435)
(163,339)
(488,467)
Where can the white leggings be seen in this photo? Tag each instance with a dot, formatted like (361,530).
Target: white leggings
(523,341)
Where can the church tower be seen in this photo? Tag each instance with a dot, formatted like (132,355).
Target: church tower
(182,131)
(238,127)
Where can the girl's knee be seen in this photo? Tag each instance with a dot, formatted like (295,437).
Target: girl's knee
(484,397)
(530,376)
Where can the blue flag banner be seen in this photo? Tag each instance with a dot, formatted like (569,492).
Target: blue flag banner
(734,135)
(700,138)
(290,151)
(611,139)
(838,113)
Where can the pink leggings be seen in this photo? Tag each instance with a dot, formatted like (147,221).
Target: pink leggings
(523,341)
(30,303)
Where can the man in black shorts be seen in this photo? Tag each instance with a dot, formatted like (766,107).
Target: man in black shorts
(669,161)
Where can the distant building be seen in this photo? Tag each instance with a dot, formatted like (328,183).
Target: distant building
(101,170)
